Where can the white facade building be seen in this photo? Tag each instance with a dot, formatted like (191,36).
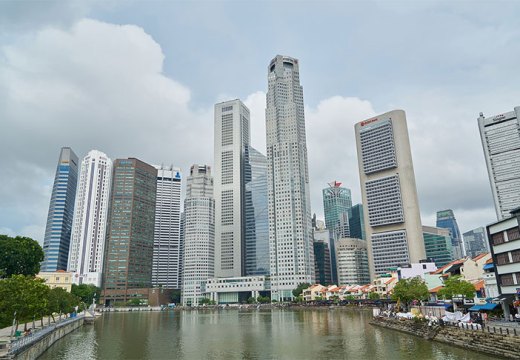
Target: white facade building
(231,141)
(392,217)
(416,270)
(290,229)
(236,289)
(167,247)
(500,137)
(352,262)
(199,234)
(87,244)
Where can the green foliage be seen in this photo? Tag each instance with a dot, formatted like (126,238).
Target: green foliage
(86,292)
(61,301)
(299,289)
(374,296)
(407,290)
(350,297)
(206,301)
(175,296)
(133,302)
(455,285)
(318,298)
(19,256)
(263,299)
(251,300)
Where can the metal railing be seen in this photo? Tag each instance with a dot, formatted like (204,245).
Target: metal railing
(491,329)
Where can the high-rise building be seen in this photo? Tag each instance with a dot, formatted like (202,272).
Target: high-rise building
(167,247)
(130,230)
(357,222)
(500,136)
(475,242)
(322,256)
(392,217)
(61,211)
(446,220)
(87,244)
(231,141)
(352,258)
(290,233)
(199,234)
(438,245)
(256,215)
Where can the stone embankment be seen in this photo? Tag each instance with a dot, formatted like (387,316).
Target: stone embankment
(485,340)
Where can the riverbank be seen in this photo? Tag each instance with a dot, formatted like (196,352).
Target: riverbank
(485,340)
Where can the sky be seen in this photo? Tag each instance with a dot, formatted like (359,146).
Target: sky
(140,79)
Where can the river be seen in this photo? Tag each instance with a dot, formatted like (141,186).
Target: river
(252,334)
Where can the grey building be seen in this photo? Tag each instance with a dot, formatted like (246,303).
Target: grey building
(357,222)
(352,262)
(475,242)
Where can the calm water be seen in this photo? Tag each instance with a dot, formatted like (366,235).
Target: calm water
(256,334)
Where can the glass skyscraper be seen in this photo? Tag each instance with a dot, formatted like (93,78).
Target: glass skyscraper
(446,220)
(357,222)
(437,244)
(256,214)
(61,212)
(475,242)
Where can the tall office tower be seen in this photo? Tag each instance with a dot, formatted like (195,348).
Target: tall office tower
(437,244)
(392,218)
(167,247)
(199,234)
(87,243)
(356,222)
(61,211)
(475,242)
(322,257)
(446,220)
(231,141)
(352,258)
(256,215)
(130,230)
(500,136)
(290,233)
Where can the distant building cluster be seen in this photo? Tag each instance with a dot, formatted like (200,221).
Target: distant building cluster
(246,230)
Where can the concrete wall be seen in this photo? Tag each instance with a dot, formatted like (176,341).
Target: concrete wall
(502,345)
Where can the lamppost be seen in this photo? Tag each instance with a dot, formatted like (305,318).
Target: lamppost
(12,328)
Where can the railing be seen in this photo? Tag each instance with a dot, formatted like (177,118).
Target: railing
(491,329)
(27,340)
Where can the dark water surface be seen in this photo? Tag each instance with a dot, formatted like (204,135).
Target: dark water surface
(254,334)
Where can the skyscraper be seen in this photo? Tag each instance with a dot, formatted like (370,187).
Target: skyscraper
(500,137)
(61,211)
(87,244)
(392,218)
(130,230)
(290,233)
(322,257)
(446,220)
(352,258)
(437,244)
(475,242)
(356,222)
(256,215)
(199,234)
(231,141)
(167,247)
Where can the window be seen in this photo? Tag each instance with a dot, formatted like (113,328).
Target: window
(515,255)
(506,279)
(502,259)
(497,238)
(513,234)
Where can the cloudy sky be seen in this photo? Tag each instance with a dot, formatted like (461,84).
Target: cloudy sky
(139,79)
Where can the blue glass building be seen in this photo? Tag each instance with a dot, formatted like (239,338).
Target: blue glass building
(61,211)
(357,222)
(446,220)
(256,214)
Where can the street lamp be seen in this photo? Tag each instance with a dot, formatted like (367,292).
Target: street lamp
(12,328)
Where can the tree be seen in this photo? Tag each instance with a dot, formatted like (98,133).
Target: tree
(86,292)
(350,297)
(133,302)
(456,285)
(60,301)
(251,300)
(299,289)
(407,290)
(374,296)
(175,296)
(263,299)
(19,256)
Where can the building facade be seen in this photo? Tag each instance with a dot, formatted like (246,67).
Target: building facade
(256,215)
(500,137)
(438,245)
(167,247)
(322,256)
(199,235)
(290,231)
(475,242)
(352,258)
(446,220)
(61,212)
(87,244)
(357,222)
(60,278)
(130,230)
(231,141)
(392,216)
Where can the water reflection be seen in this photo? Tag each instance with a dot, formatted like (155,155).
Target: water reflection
(257,334)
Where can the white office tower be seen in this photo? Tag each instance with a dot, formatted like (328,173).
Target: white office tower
(352,262)
(87,244)
(199,234)
(500,136)
(167,247)
(392,217)
(290,230)
(231,141)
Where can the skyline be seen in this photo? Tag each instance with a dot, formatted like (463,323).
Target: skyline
(123,76)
